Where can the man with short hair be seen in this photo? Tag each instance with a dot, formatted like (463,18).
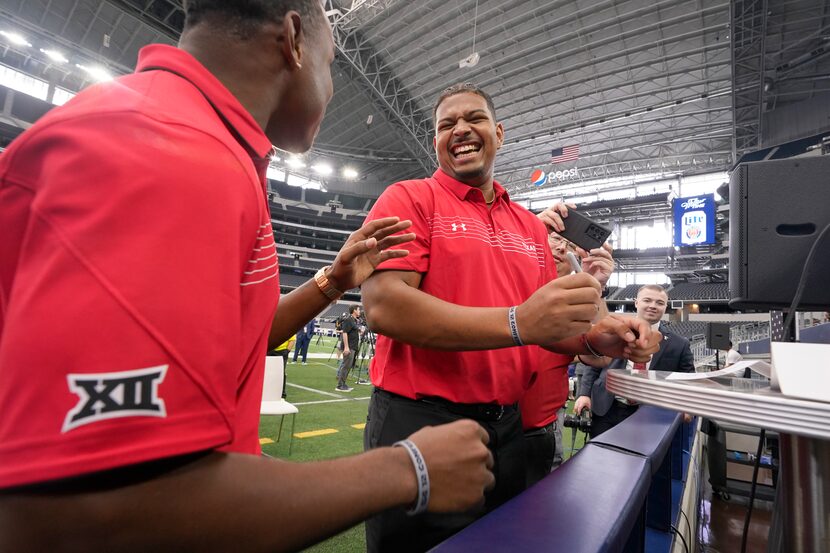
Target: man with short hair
(135,426)
(350,332)
(675,354)
(453,317)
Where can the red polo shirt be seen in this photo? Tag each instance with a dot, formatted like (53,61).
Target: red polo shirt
(138,275)
(468,255)
(549,391)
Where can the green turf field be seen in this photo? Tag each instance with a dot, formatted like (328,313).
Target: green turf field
(311,388)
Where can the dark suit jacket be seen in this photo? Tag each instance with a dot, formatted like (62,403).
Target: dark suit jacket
(308,330)
(675,354)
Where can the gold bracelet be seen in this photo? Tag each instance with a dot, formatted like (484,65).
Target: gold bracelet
(325,285)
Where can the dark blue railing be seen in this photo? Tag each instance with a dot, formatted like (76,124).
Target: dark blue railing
(620,492)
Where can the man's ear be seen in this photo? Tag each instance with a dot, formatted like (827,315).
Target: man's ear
(293,40)
(499,134)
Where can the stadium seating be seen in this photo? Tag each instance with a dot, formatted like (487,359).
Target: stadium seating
(689,329)
(700,291)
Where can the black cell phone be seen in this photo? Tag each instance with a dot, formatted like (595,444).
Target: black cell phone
(584,232)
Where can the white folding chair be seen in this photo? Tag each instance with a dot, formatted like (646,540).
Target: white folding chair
(272,400)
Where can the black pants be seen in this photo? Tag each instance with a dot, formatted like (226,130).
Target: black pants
(392,418)
(615,415)
(284,354)
(541,450)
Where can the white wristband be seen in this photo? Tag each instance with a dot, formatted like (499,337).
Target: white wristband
(514,328)
(421,475)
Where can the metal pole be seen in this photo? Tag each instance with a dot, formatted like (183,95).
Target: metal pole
(805,472)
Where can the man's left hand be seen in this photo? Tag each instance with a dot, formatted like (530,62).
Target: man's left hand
(554,216)
(598,263)
(365,249)
(628,337)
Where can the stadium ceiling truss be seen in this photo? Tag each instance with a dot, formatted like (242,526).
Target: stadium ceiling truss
(361,61)
(671,86)
(748,21)
(638,85)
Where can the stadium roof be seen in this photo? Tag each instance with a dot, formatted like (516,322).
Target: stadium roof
(638,85)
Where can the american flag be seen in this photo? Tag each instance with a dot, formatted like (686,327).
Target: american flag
(567,153)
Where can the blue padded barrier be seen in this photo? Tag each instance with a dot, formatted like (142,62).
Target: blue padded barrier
(590,504)
(648,432)
(621,493)
(651,432)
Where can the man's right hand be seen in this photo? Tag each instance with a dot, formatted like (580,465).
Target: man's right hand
(582,403)
(562,308)
(459,464)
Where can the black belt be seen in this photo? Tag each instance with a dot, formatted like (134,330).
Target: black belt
(478,411)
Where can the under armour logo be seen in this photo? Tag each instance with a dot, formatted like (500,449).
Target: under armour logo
(462,225)
(112,395)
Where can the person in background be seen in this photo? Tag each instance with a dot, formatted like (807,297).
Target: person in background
(304,337)
(479,281)
(350,334)
(283,350)
(338,333)
(134,428)
(675,354)
(732,356)
(543,405)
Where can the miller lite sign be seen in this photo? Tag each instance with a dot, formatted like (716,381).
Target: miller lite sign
(694,220)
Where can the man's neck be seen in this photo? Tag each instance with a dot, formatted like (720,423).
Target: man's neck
(237,67)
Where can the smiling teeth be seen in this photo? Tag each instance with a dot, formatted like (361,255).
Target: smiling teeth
(464,149)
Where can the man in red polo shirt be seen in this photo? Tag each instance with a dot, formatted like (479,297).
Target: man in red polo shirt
(478,281)
(139,293)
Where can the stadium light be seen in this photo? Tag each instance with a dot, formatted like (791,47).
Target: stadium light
(15,38)
(322,169)
(98,73)
(55,56)
(349,173)
(295,162)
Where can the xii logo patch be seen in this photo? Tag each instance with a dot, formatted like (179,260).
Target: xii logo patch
(112,395)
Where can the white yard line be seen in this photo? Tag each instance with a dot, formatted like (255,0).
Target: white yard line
(311,390)
(331,401)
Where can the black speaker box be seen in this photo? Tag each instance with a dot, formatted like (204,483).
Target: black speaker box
(777,209)
(717,336)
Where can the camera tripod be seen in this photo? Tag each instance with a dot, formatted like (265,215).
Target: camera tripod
(365,350)
(337,346)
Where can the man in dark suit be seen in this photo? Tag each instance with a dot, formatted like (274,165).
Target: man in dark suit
(675,354)
(304,339)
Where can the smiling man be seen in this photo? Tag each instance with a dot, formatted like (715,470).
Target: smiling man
(478,281)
